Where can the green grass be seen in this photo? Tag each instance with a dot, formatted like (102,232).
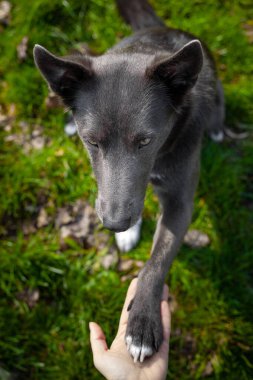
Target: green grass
(212,286)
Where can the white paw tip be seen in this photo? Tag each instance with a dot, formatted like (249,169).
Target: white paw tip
(135,352)
(145,352)
(217,136)
(138,352)
(128,239)
(70,128)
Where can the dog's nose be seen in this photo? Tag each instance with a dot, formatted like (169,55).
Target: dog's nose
(117,226)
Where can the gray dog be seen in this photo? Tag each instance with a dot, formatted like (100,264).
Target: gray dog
(141,110)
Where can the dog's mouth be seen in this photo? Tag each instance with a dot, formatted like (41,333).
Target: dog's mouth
(116,230)
(117,225)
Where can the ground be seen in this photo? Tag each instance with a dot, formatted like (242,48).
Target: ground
(54,280)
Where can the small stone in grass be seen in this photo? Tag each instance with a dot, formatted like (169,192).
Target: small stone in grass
(196,239)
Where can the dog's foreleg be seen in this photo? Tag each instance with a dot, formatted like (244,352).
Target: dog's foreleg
(144,331)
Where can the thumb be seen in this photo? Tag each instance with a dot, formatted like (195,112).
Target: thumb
(97,340)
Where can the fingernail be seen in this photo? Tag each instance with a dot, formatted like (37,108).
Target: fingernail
(90,325)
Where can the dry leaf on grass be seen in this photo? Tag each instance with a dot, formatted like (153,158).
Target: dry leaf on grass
(63,217)
(3,117)
(28,141)
(125,265)
(78,222)
(110,259)
(22,49)
(173,303)
(127,277)
(208,369)
(140,264)
(53,101)
(5,8)
(43,219)
(189,346)
(29,296)
(101,240)
(248,30)
(28,228)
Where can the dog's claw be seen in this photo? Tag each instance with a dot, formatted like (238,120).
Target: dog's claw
(128,342)
(130,305)
(138,352)
(145,353)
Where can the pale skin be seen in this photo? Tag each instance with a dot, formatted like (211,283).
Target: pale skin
(115,363)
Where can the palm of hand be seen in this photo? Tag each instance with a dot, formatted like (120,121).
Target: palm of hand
(116,363)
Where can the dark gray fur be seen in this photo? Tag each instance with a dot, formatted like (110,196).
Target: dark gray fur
(144,87)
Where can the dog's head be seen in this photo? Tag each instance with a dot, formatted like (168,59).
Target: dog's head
(124,107)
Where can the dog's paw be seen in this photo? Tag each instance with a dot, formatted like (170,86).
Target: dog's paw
(128,239)
(217,136)
(70,127)
(144,335)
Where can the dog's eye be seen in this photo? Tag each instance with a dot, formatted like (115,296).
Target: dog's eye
(93,143)
(144,142)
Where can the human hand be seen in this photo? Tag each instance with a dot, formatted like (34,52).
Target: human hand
(115,363)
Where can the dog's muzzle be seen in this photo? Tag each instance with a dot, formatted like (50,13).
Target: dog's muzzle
(117,225)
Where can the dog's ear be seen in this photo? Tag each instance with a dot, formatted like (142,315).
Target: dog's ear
(64,76)
(180,71)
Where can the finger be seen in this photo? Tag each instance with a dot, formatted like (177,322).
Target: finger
(130,295)
(97,340)
(166,320)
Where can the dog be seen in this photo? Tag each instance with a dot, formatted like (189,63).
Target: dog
(141,110)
